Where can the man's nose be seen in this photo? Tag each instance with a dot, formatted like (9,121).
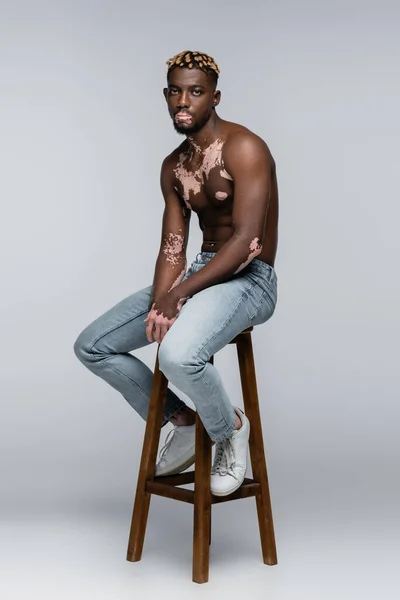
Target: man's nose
(183,101)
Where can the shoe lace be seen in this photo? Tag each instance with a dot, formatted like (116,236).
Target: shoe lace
(224,459)
(167,442)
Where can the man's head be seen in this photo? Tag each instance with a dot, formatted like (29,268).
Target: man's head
(191,93)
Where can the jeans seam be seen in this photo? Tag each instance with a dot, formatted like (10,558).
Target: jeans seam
(244,294)
(138,385)
(105,360)
(264,298)
(104,333)
(258,306)
(213,394)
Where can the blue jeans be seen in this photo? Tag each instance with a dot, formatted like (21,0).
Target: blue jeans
(206,323)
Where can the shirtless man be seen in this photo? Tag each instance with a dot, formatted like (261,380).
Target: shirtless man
(226,174)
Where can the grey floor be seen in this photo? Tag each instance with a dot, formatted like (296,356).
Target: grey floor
(77,551)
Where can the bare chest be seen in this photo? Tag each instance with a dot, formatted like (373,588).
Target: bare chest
(202,180)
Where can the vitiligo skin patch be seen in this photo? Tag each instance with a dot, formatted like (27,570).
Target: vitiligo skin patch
(255,249)
(225,175)
(221,195)
(178,279)
(172,248)
(192,181)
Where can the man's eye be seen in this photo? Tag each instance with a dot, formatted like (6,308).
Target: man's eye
(172,92)
(196,92)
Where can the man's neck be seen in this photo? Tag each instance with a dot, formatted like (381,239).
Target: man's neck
(201,140)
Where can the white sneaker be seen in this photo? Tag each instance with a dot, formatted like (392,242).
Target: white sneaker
(178,452)
(229,466)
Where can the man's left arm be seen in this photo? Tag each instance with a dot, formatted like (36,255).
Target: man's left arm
(249,162)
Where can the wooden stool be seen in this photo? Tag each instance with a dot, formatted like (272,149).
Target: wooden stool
(201,497)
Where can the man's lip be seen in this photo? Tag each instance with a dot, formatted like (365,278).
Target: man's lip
(183,118)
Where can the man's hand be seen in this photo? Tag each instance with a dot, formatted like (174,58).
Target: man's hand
(162,316)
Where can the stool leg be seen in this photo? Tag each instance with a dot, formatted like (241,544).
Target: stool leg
(147,464)
(202,505)
(257,454)
(209,536)
(209,531)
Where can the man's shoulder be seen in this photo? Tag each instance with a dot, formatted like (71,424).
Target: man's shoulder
(240,139)
(171,160)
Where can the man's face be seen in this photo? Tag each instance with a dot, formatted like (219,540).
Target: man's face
(190,96)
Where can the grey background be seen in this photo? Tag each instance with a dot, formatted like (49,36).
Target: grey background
(83,131)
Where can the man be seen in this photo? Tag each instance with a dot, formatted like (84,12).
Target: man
(226,174)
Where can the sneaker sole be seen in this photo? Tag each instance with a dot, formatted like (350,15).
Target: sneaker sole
(237,486)
(182,467)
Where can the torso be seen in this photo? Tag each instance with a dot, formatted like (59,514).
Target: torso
(206,188)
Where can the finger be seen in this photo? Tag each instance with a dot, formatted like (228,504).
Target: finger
(156,332)
(149,331)
(151,315)
(163,331)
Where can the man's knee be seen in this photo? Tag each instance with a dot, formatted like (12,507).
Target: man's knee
(82,347)
(177,360)
(166,359)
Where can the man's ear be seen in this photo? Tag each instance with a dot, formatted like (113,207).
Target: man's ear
(165,92)
(217,98)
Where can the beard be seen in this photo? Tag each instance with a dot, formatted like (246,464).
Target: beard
(187,130)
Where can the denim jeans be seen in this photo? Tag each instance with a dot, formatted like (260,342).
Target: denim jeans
(206,323)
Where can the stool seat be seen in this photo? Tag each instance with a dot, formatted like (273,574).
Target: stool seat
(201,496)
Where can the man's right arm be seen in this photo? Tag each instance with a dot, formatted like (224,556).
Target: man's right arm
(171,262)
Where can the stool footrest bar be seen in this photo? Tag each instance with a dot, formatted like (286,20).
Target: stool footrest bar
(179,479)
(170,491)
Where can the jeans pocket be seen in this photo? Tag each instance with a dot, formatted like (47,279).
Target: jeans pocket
(265,310)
